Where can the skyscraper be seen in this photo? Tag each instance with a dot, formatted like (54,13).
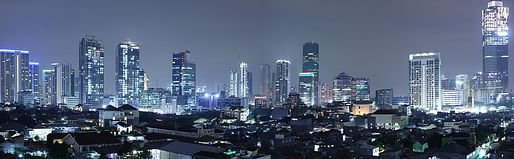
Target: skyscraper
(15,74)
(311,65)
(250,83)
(48,87)
(35,85)
(234,84)
(62,76)
(243,80)
(425,81)
(360,89)
(384,97)
(129,80)
(342,91)
(306,88)
(282,81)
(91,68)
(266,85)
(495,40)
(183,78)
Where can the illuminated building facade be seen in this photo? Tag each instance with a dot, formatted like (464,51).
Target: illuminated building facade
(234,83)
(129,75)
(342,91)
(35,85)
(183,78)
(495,40)
(243,80)
(282,82)
(15,74)
(91,68)
(360,89)
(325,94)
(62,76)
(425,81)
(306,88)
(311,66)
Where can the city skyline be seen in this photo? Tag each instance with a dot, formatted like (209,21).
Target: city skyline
(264,48)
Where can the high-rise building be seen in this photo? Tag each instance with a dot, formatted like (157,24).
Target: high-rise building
(234,84)
(250,83)
(49,87)
(183,77)
(425,81)
(495,40)
(384,97)
(129,75)
(243,80)
(63,80)
(306,88)
(342,91)
(266,85)
(91,68)
(282,83)
(311,65)
(35,85)
(15,74)
(325,94)
(360,89)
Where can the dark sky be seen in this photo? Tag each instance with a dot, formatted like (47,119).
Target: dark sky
(369,38)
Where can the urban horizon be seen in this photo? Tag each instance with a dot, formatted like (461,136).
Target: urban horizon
(256,79)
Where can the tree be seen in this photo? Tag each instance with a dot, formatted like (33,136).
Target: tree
(144,155)
(59,151)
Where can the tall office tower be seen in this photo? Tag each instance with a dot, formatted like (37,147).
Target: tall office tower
(447,83)
(266,85)
(342,90)
(325,94)
(243,80)
(495,40)
(306,88)
(15,74)
(250,84)
(183,77)
(35,86)
(425,81)
(282,81)
(49,88)
(146,79)
(63,87)
(129,75)
(91,72)
(234,84)
(311,65)
(360,89)
(384,97)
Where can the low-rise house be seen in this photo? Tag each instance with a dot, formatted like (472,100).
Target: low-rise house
(81,142)
(389,119)
(111,115)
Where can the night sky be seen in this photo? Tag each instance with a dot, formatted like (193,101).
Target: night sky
(368,38)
